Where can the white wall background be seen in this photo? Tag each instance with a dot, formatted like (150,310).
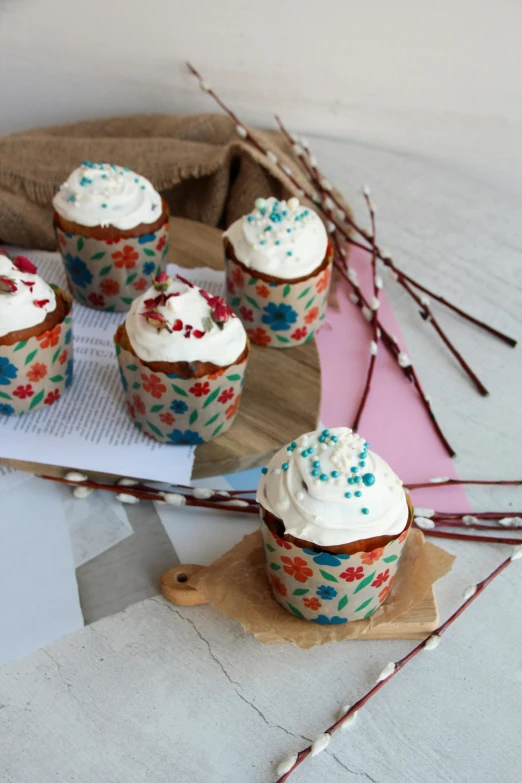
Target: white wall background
(438,79)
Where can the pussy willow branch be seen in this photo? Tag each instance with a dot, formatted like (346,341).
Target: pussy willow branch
(449,482)
(458,523)
(427,315)
(318,180)
(476,539)
(398,665)
(375,328)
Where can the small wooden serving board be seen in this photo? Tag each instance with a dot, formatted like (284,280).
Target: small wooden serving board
(414,624)
(282,393)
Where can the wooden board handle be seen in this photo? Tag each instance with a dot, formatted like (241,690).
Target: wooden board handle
(175,586)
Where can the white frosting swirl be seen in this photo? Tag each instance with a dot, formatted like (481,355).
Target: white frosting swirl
(282,239)
(25,299)
(182,305)
(103,194)
(312,488)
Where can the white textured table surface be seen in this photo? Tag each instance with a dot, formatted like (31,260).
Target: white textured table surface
(158,694)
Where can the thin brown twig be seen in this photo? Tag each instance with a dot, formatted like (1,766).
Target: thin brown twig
(375,329)
(398,665)
(449,482)
(427,315)
(156,495)
(471,537)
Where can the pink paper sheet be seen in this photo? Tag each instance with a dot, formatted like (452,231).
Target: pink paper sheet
(394,420)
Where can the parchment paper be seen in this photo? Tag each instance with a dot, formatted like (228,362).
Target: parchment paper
(237,585)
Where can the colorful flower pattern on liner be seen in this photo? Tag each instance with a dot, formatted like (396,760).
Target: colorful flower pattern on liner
(279,315)
(109,275)
(327,588)
(35,373)
(179,410)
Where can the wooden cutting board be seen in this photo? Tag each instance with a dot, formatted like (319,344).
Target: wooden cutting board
(282,393)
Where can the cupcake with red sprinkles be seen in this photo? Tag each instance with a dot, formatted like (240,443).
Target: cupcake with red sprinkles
(182,354)
(36,362)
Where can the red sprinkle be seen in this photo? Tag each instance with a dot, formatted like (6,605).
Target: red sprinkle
(198,333)
(24,265)
(40,302)
(177,326)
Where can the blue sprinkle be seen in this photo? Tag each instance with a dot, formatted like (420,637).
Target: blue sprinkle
(367,445)
(85,181)
(358,493)
(354,470)
(357,479)
(347,494)
(285,212)
(365,510)
(323,477)
(262,242)
(104,206)
(285,465)
(293,444)
(321,438)
(126,168)
(268,228)
(72,198)
(363,455)
(368,479)
(289,253)
(334,439)
(250,218)
(317,464)
(113,167)
(104,176)
(86,163)
(263,211)
(335,474)
(362,464)
(304,453)
(278,242)
(326,433)
(351,481)
(288,230)
(264,471)
(136,179)
(143,187)
(315,472)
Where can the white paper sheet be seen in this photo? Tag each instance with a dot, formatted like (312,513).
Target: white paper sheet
(96,523)
(89,428)
(38,592)
(201,535)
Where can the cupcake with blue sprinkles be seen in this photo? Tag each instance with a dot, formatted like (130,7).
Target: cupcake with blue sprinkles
(112,231)
(335,519)
(278,265)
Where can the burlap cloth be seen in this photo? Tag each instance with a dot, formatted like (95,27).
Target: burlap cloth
(201,166)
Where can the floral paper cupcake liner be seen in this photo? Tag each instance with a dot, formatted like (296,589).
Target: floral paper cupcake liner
(34,373)
(328,588)
(278,315)
(179,410)
(110,274)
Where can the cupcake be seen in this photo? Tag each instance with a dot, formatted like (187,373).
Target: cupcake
(278,264)
(335,519)
(182,355)
(112,227)
(36,362)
